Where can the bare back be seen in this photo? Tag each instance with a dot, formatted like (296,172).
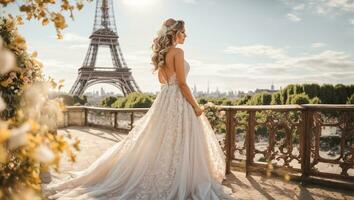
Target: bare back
(166,73)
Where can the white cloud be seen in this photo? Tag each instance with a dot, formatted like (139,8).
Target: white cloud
(293,17)
(324,67)
(326,60)
(346,5)
(299,7)
(351,21)
(322,7)
(318,45)
(257,50)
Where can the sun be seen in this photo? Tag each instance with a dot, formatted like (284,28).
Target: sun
(139,3)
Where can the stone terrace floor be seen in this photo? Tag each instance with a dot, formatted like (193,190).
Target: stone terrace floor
(94,141)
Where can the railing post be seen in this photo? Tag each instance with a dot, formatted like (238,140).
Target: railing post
(86,115)
(250,140)
(306,145)
(131,120)
(228,139)
(115,119)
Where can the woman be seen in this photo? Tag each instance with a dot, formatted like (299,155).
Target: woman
(172,151)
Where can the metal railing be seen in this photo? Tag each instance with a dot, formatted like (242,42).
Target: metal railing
(302,142)
(299,141)
(121,119)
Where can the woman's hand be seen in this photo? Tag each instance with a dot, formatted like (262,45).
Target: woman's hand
(198,111)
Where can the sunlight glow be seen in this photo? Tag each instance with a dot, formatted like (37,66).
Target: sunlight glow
(139,3)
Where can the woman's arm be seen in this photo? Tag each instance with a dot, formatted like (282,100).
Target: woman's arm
(181,78)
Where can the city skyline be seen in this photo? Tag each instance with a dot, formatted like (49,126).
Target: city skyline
(242,46)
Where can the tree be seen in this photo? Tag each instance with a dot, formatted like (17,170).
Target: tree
(202,101)
(351,99)
(300,99)
(244,100)
(108,101)
(134,100)
(79,100)
(276,99)
(119,103)
(315,100)
(263,98)
(286,92)
(327,94)
(298,89)
(138,100)
(312,90)
(341,92)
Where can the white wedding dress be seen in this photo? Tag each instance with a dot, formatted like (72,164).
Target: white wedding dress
(170,154)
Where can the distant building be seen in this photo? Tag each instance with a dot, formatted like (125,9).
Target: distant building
(271,90)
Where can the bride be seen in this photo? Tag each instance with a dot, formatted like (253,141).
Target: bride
(171,153)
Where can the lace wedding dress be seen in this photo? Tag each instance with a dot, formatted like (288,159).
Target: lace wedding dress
(170,154)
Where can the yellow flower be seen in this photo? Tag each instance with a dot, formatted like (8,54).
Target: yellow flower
(3,154)
(79,5)
(34,125)
(19,20)
(287,177)
(19,136)
(59,21)
(20,42)
(6,82)
(34,54)
(44,154)
(4,134)
(76,144)
(45,21)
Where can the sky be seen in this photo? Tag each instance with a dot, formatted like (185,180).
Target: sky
(231,44)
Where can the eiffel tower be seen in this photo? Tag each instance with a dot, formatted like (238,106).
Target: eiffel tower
(104,35)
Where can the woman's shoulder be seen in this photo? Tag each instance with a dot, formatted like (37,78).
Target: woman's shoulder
(176,50)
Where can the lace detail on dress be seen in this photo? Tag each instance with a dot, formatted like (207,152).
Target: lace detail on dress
(170,154)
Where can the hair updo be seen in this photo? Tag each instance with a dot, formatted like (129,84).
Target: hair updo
(164,41)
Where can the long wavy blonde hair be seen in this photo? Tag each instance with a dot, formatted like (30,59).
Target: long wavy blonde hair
(164,41)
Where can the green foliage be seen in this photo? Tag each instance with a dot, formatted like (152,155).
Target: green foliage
(134,100)
(215,116)
(276,99)
(202,101)
(119,103)
(263,98)
(315,100)
(327,94)
(80,100)
(298,89)
(108,101)
(227,102)
(244,100)
(312,90)
(351,99)
(342,94)
(299,99)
